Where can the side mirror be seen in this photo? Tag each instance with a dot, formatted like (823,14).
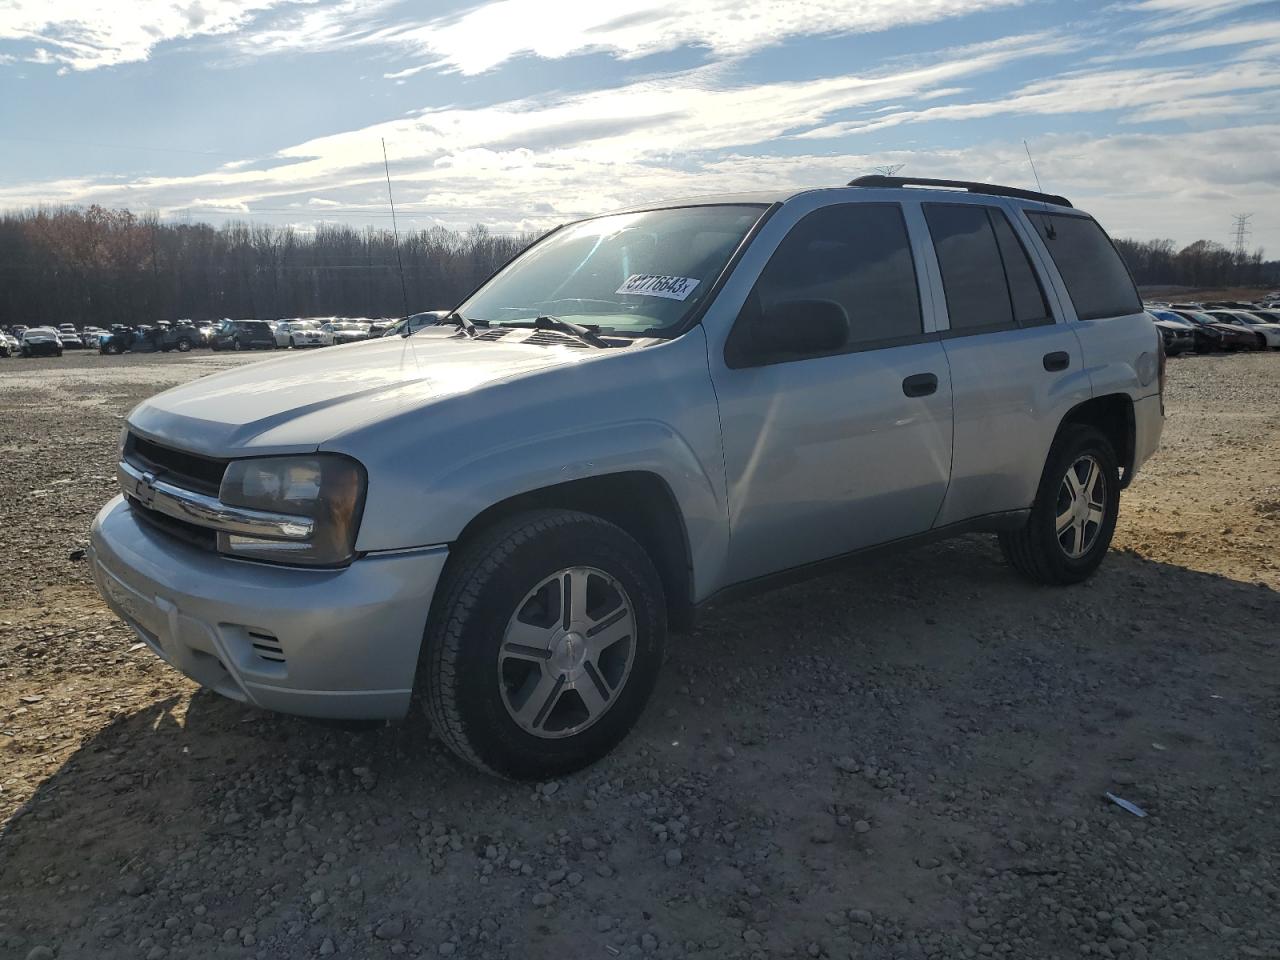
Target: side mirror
(792,328)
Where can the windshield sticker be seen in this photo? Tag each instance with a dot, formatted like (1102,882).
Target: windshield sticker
(658,285)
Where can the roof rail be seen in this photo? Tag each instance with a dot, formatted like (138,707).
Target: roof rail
(995,190)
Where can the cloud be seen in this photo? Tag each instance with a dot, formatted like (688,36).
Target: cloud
(493,33)
(87,34)
(1142,94)
(1223,35)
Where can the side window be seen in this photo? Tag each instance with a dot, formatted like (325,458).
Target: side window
(1097,280)
(987,276)
(856,255)
(1025,293)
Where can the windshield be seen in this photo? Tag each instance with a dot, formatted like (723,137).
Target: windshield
(630,272)
(349,326)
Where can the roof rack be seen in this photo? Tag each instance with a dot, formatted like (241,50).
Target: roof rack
(995,190)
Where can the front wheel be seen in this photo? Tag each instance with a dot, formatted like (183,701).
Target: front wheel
(184,345)
(237,345)
(1074,514)
(544,644)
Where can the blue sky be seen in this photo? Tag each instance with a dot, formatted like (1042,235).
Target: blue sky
(1159,116)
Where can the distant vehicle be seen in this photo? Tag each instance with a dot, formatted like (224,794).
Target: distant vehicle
(70,340)
(406,326)
(1178,335)
(90,336)
(1268,316)
(1225,335)
(18,329)
(1269,332)
(41,342)
(8,345)
(155,339)
(343,331)
(66,328)
(243,335)
(298,333)
(379,328)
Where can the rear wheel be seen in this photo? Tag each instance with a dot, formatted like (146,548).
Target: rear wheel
(1074,515)
(236,344)
(545,644)
(184,344)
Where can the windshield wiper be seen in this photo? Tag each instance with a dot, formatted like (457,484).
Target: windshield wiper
(459,321)
(589,335)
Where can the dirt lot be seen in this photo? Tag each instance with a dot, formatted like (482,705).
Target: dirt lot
(904,760)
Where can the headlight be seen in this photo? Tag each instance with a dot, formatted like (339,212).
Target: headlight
(327,488)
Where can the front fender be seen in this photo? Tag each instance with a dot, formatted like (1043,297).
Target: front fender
(433,471)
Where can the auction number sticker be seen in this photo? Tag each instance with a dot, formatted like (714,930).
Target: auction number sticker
(659,285)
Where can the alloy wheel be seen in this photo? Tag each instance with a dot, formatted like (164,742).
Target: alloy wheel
(1081,507)
(567,652)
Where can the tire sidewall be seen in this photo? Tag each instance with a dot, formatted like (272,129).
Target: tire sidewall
(499,742)
(1072,444)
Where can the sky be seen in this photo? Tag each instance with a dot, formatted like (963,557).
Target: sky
(1160,117)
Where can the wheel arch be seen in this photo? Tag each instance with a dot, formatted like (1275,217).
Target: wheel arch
(1113,415)
(639,502)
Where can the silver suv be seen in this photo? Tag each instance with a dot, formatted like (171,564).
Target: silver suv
(503,515)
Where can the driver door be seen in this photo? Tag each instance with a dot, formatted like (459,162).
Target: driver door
(829,453)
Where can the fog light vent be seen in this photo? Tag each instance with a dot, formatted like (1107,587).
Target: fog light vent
(266,646)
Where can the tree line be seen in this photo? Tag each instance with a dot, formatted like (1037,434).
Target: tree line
(1200,264)
(100,266)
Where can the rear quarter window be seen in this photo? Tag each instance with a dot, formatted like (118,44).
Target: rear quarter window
(1096,277)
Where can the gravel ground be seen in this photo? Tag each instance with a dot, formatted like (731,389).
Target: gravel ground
(907,759)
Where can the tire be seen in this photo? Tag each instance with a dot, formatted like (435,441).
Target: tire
(59,353)
(292,345)
(1037,551)
(236,344)
(184,345)
(472,686)
(26,354)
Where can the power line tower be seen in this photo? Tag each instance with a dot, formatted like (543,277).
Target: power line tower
(888,169)
(1241,232)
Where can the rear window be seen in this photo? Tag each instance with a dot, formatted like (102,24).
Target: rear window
(1097,279)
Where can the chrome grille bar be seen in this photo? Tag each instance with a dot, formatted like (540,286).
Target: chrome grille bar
(204,511)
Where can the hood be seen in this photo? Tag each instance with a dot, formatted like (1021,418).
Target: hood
(293,404)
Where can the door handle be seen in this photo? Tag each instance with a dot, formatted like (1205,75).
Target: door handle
(1058,360)
(920,385)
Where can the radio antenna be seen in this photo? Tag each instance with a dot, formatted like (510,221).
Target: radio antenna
(395,230)
(1050,233)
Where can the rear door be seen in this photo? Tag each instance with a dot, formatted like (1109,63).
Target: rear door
(831,452)
(1016,367)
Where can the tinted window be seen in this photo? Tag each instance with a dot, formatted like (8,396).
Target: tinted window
(986,274)
(972,273)
(1097,280)
(857,255)
(1029,304)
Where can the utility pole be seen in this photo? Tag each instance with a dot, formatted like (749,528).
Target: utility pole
(1240,232)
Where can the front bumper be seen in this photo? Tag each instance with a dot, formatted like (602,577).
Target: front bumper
(321,643)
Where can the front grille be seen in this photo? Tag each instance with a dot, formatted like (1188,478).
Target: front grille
(187,470)
(188,533)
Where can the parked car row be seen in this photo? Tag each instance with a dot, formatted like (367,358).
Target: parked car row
(1205,328)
